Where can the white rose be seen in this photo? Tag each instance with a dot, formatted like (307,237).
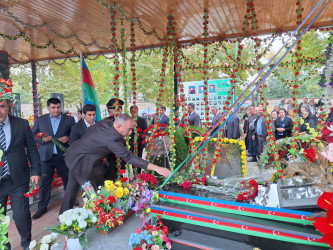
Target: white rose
(46,239)
(85,200)
(54,245)
(62,218)
(54,236)
(44,247)
(32,244)
(82,224)
(93,219)
(68,222)
(74,217)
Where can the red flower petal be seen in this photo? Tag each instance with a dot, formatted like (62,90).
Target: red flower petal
(325,201)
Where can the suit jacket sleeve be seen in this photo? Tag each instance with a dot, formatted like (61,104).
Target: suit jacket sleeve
(74,135)
(236,128)
(197,121)
(32,151)
(118,148)
(167,121)
(35,130)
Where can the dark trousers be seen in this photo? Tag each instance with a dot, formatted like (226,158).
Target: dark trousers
(74,183)
(253,145)
(48,167)
(247,142)
(261,144)
(20,207)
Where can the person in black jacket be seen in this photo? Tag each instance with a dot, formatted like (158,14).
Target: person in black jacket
(308,120)
(283,125)
(19,149)
(56,126)
(80,127)
(162,119)
(140,129)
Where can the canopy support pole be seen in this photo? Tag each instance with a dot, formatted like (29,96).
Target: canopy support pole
(34,90)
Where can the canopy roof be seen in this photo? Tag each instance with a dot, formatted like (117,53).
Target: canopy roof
(76,26)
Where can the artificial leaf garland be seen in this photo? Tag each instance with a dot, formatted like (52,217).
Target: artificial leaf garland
(171,34)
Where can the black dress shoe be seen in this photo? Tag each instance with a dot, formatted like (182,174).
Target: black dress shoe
(76,203)
(39,214)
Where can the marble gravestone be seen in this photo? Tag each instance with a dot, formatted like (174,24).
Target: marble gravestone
(229,161)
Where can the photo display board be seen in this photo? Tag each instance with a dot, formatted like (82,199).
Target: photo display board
(217,95)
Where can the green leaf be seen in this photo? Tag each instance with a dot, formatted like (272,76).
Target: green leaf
(292,151)
(84,240)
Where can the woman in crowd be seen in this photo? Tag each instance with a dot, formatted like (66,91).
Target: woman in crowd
(308,120)
(291,113)
(283,125)
(303,109)
(274,116)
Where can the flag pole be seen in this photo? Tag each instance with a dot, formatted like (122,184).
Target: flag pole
(82,92)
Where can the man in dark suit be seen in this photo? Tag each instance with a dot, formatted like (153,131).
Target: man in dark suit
(162,119)
(18,146)
(56,126)
(193,118)
(217,116)
(80,127)
(140,129)
(232,127)
(85,157)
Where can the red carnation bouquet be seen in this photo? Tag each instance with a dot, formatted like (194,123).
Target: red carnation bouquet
(40,135)
(148,178)
(33,189)
(251,190)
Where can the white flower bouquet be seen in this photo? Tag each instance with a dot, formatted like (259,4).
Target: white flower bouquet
(49,241)
(74,223)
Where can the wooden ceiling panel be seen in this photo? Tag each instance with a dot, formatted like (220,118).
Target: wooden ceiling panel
(89,21)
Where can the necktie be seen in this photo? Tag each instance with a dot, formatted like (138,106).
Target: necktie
(5,170)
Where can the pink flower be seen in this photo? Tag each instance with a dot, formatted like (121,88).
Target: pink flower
(155,247)
(168,245)
(164,238)
(138,231)
(144,246)
(154,232)
(328,154)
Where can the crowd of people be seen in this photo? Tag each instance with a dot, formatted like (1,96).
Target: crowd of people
(282,117)
(84,150)
(80,151)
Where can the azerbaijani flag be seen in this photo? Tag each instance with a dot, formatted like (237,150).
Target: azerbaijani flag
(89,93)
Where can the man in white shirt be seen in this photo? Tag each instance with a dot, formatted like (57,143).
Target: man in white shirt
(80,127)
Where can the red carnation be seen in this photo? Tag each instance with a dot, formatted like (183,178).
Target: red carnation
(310,154)
(123,179)
(187,184)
